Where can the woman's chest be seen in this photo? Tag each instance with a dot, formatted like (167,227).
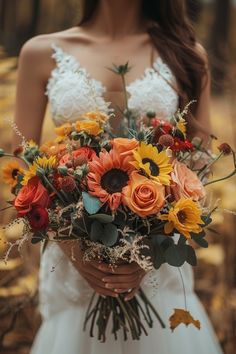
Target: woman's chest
(72,90)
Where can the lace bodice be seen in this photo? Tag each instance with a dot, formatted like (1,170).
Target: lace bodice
(71,90)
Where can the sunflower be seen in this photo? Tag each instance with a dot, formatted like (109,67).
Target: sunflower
(184,216)
(108,176)
(46,163)
(153,163)
(10,172)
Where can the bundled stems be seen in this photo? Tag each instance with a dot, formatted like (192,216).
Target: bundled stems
(128,316)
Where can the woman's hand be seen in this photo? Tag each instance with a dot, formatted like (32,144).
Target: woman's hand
(123,278)
(104,279)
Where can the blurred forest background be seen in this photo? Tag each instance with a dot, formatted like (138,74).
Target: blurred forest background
(215,23)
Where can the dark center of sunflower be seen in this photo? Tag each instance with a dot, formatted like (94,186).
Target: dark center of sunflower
(114,180)
(181,215)
(153,167)
(14,173)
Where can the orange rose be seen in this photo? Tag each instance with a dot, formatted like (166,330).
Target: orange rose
(186,183)
(124,146)
(143,196)
(31,195)
(90,127)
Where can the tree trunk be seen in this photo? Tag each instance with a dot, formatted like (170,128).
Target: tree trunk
(218,44)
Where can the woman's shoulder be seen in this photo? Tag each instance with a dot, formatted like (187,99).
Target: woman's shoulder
(37,51)
(40,45)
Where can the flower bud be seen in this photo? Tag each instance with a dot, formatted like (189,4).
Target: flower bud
(62,170)
(2,152)
(166,140)
(225,148)
(68,184)
(151,114)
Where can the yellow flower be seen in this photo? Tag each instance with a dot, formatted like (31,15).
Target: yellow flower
(181,125)
(30,173)
(63,130)
(184,216)
(155,164)
(10,172)
(90,127)
(32,144)
(44,162)
(97,116)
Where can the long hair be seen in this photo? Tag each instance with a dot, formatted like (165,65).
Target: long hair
(173,36)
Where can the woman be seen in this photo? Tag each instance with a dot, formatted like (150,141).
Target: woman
(168,69)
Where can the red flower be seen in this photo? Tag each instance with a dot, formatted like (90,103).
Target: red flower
(161,128)
(180,145)
(84,151)
(31,195)
(38,218)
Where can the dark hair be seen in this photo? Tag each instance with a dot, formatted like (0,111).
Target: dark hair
(174,38)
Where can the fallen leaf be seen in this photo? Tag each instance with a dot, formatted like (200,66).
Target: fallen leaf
(182,316)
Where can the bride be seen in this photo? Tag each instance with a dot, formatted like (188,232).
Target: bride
(69,69)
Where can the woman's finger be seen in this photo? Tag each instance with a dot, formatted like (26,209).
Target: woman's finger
(121,269)
(93,279)
(102,291)
(126,278)
(131,294)
(126,286)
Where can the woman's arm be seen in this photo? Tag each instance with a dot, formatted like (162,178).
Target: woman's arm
(31,101)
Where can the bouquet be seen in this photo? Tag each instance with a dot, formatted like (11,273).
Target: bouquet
(121,199)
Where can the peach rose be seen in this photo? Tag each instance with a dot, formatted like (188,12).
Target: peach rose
(186,183)
(31,195)
(84,151)
(124,146)
(143,196)
(90,127)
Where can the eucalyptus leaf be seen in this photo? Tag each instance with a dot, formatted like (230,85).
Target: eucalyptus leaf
(103,218)
(110,235)
(200,241)
(97,231)
(91,204)
(176,255)
(191,256)
(157,256)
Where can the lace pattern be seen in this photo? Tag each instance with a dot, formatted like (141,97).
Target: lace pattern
(154,91)
(71,90)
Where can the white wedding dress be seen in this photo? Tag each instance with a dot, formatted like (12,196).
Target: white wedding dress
(64,294)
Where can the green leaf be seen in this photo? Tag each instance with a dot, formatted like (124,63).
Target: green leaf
(97,231)
(158,256)
(91,204)
(191,256)
(110,235)
(103,218)
(182,240)
(200,241)
(175,255)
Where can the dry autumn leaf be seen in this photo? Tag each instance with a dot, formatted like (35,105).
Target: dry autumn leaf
(182,316)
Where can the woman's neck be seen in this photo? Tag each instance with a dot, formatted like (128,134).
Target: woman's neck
(118,18)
